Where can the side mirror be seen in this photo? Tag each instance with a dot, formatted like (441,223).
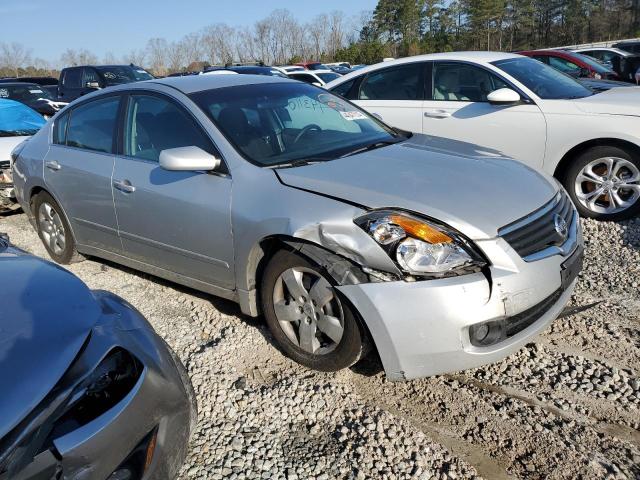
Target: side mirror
(503,96)
(95,85)
(317,84)
(188,158)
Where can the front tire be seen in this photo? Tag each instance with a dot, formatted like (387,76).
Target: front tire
(309,320)
(54,230)
(604,183)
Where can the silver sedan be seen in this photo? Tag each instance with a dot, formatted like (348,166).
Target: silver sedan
(345,234)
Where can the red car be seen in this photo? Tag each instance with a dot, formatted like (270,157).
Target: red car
(312,66)
(574,64)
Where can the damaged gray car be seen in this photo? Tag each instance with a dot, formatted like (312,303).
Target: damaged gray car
(346,234)
(89,390)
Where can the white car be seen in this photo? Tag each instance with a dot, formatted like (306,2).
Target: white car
(516,107)
(625,64)
(292,68)
(319,78)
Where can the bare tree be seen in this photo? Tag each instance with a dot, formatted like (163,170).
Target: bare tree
(109,58)
(72,57)
(136,57)
(157,55)
(176,57)
(218,43)
(13,56)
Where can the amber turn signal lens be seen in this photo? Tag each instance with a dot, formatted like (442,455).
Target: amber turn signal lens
(151,448)
(420,230)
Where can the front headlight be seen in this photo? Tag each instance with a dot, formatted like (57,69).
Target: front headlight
(421,247)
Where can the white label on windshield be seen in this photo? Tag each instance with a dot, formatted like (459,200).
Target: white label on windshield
(353,115)
(4,93)
(36,91)
(141,71)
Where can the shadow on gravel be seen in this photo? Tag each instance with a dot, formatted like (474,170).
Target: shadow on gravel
(568,311)
(631,233)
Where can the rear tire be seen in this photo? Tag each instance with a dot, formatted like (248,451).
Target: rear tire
(604,183)
(54,230)
(313,326)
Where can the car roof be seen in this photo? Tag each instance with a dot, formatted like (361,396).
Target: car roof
(19,84)
(471,56)
(606,49)
(198,83)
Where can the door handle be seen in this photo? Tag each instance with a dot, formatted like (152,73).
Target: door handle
(53,165)
(437,114)
(124,186)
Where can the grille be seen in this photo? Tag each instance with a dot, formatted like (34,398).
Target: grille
(537,231)
(522,320)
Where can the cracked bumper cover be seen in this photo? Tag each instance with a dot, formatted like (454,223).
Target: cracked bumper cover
(422,328)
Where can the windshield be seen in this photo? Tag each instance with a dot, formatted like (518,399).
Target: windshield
(24,93)
(597,66)
(544,81)
(116,75)
(328,77)
(17,119)
(282,123)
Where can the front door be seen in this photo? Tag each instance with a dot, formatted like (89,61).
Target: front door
(78,169)
(176,221)
(458,109)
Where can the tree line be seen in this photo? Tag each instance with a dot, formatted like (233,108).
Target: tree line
(394,28)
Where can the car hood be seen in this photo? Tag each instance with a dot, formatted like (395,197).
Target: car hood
(46,315)
(473,190)
(616,101)
(7,144)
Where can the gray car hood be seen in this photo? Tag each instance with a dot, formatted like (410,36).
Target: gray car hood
(46,314)
(617,101)
(474,191)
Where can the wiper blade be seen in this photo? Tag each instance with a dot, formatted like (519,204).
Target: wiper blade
(299,163)
(371,146)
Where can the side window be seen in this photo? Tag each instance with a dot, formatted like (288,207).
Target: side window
(305,77)
(89,75)
(73,78)
(460,82)
(92,125)
(155,124)
(404,82)
(563,65)
(60,129)
(343,88)
(594,53)
(541,58)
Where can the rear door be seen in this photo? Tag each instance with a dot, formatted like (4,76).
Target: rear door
(395,94)
(458,109)
(78,169)
(176,221)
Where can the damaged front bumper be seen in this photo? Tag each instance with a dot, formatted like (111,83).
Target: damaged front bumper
(432,327)
(8,201)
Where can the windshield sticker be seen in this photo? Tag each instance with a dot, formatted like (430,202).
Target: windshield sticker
(141,71)
(4,93)
(36,91)
(353,115)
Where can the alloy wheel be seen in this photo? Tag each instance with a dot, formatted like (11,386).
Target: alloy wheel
(608,185)
(52,228)
(308,310)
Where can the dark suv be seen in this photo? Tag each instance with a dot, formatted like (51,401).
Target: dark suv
(77,81)
(632,46)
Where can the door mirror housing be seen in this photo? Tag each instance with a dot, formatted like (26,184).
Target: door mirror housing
(503,96)
(188,159)
(94,85)
(317,84)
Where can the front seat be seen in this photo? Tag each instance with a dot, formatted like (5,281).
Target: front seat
(234,123)
(447,87)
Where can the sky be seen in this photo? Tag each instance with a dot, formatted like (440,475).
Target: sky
(49,27)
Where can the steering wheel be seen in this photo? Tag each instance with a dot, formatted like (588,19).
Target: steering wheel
(306,130)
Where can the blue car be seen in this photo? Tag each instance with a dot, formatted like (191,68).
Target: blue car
(89,390)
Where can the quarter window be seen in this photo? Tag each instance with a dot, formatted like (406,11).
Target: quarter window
(60,129)
(460,82)
(155,124)
(92,125)
(404,82)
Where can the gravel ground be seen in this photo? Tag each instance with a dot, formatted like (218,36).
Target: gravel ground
(567,406)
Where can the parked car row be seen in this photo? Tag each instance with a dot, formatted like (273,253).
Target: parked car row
(336,213)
